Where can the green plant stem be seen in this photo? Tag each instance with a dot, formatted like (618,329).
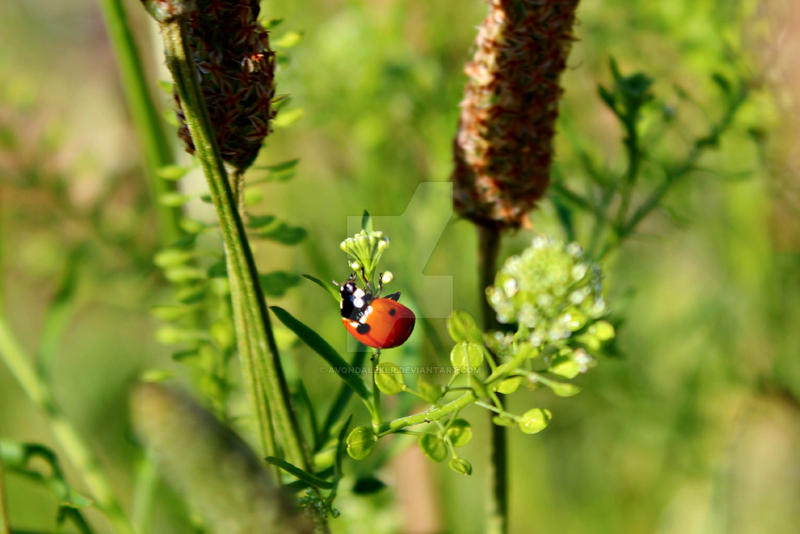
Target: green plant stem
(151,134)
(431,415)
(76,449)
(259,356)
(144,492)
(626,227)
(376,393)
(628,181)
(5,520)
(488,248)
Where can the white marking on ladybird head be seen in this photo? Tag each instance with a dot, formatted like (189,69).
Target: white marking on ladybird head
(359,292)
(358,302)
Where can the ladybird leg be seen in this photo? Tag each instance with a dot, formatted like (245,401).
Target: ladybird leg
(394,296)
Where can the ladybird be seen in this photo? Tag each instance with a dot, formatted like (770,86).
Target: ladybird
(378,322)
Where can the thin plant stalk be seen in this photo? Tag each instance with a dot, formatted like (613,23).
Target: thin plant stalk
(5,520)
(69,439)
(261,366)
(488,248)
(157,151)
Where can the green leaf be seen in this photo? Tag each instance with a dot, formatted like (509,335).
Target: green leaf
(169,313)
(260,222)
(433,446)
(156,375)
(271,24)
(288,117)
(288,40)
(459,432)
(171,172)
(184,273)
(276,283)
(389,378)
(564,389)
(361,442)
(283,166)
(222,334)
(331,289)
(462,327)
(190,295)
(284,233)
(460,465)
(466,357)
(509,385)
(182,355)
(171,335)
(166,85)
(300,474)
(321,347)
(368,485)
(564,366)
(173,200)
(172,257)
(534,420)
(602,330)
(170,118)
(252,196)
(366,222)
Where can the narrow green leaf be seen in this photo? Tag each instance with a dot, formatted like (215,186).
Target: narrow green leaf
(298,473)
(288,117)
(366,222)
(279,167)
(321,347)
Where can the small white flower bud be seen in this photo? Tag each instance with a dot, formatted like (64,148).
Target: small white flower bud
(387,277)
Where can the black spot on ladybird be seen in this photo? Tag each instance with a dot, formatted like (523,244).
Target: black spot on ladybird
(362,328)
(392,311)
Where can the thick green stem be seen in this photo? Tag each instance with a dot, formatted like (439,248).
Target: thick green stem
(157,151)
(261,366)
(488,248)
(70,441)
(431,415)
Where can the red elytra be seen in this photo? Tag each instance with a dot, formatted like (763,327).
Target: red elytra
(387,325)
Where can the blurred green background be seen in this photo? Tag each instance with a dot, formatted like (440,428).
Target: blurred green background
(694,428)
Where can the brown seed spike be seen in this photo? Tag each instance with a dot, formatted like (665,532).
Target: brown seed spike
(236,68)
(504,145)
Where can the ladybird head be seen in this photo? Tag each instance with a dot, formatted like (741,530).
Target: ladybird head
(354,300)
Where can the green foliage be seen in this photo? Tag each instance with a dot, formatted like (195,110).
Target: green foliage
(20,459)
(661,134)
